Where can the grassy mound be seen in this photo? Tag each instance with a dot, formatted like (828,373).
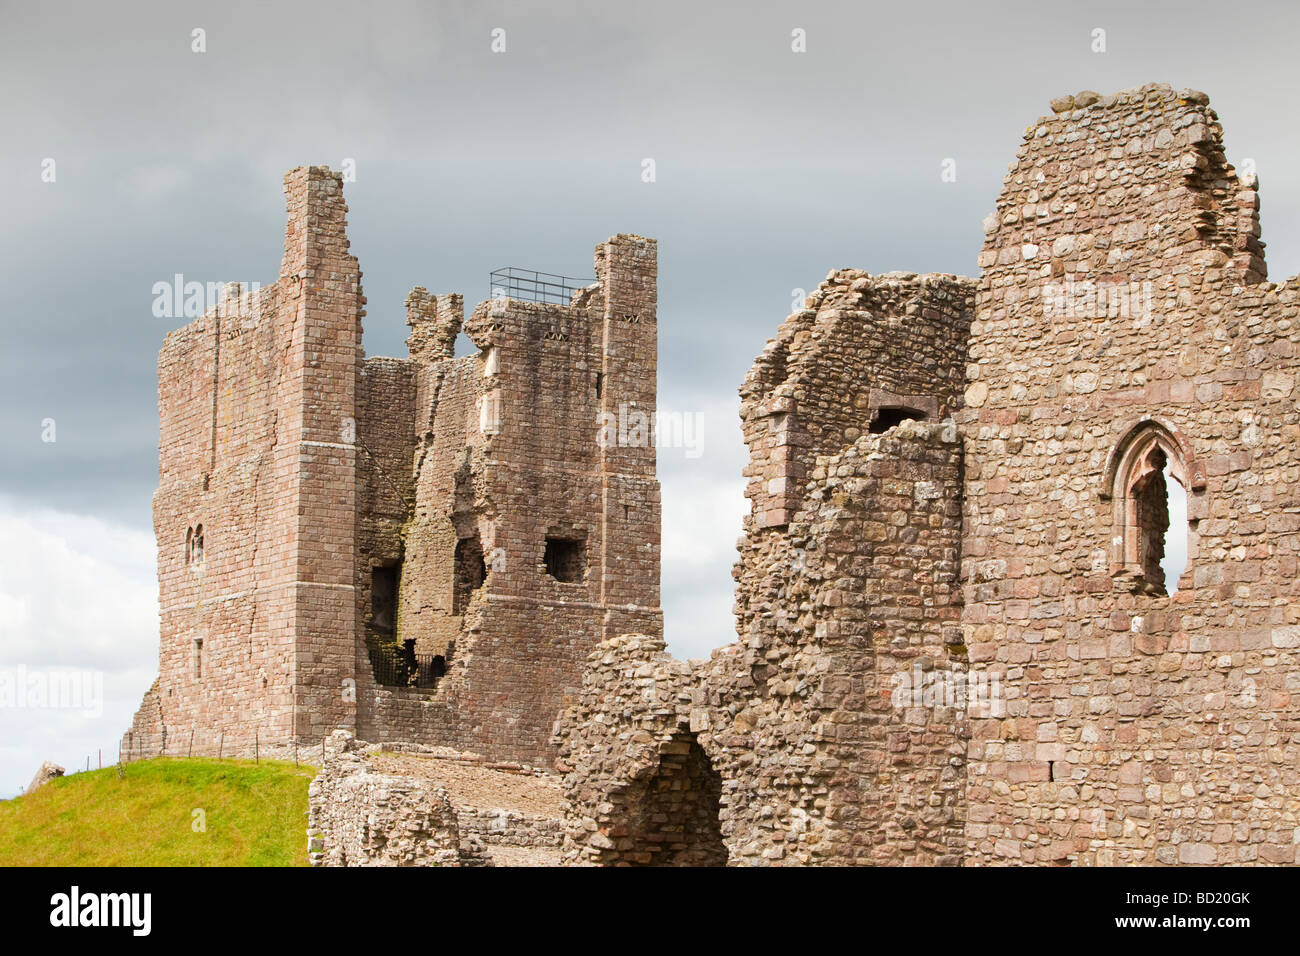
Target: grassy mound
(163,812)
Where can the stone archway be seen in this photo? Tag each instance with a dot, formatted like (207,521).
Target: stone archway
(668,816)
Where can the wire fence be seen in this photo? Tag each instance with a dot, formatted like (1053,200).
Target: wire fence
(392,666)
(219,744)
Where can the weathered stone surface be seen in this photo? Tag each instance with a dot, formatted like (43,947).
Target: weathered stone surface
(415,805)
(1172,716)
(949,478)
(47,772)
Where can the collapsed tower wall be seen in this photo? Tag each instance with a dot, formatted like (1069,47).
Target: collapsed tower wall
(534,531)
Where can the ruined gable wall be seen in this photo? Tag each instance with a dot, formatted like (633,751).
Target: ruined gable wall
(1139,728)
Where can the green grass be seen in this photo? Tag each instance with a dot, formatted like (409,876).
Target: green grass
(253,815)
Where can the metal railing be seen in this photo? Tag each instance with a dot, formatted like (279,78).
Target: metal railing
(396,667)
(529,286)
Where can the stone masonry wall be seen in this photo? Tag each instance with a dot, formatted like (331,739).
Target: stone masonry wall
(813,762)
(414,805)
(862,345)
(357,817)
(303,489)
(1123,293)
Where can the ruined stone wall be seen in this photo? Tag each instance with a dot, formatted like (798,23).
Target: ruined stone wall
(332,495)
(357,817)
(861,346)
(413,805)
(1124,284)
(450,452)
(217,482)
(791,739)
(1123,331)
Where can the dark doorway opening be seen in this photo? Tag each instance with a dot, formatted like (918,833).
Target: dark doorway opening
(384,582)
(670,817)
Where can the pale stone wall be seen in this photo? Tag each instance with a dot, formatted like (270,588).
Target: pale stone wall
(357,817)
(414,805)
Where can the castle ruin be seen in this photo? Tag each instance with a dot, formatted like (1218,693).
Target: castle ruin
(419,549)
(957,643)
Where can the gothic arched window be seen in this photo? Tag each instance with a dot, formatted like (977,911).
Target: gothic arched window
(1138,477)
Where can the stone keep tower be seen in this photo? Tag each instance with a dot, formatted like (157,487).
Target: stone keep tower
(420,549)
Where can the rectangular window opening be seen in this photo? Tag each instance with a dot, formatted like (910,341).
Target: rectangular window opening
(566,558)
(890,415)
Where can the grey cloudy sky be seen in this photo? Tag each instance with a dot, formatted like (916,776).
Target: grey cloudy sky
(772,168)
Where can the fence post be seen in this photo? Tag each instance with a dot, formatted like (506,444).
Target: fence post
(255,757)
(190,752)
(221,744)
